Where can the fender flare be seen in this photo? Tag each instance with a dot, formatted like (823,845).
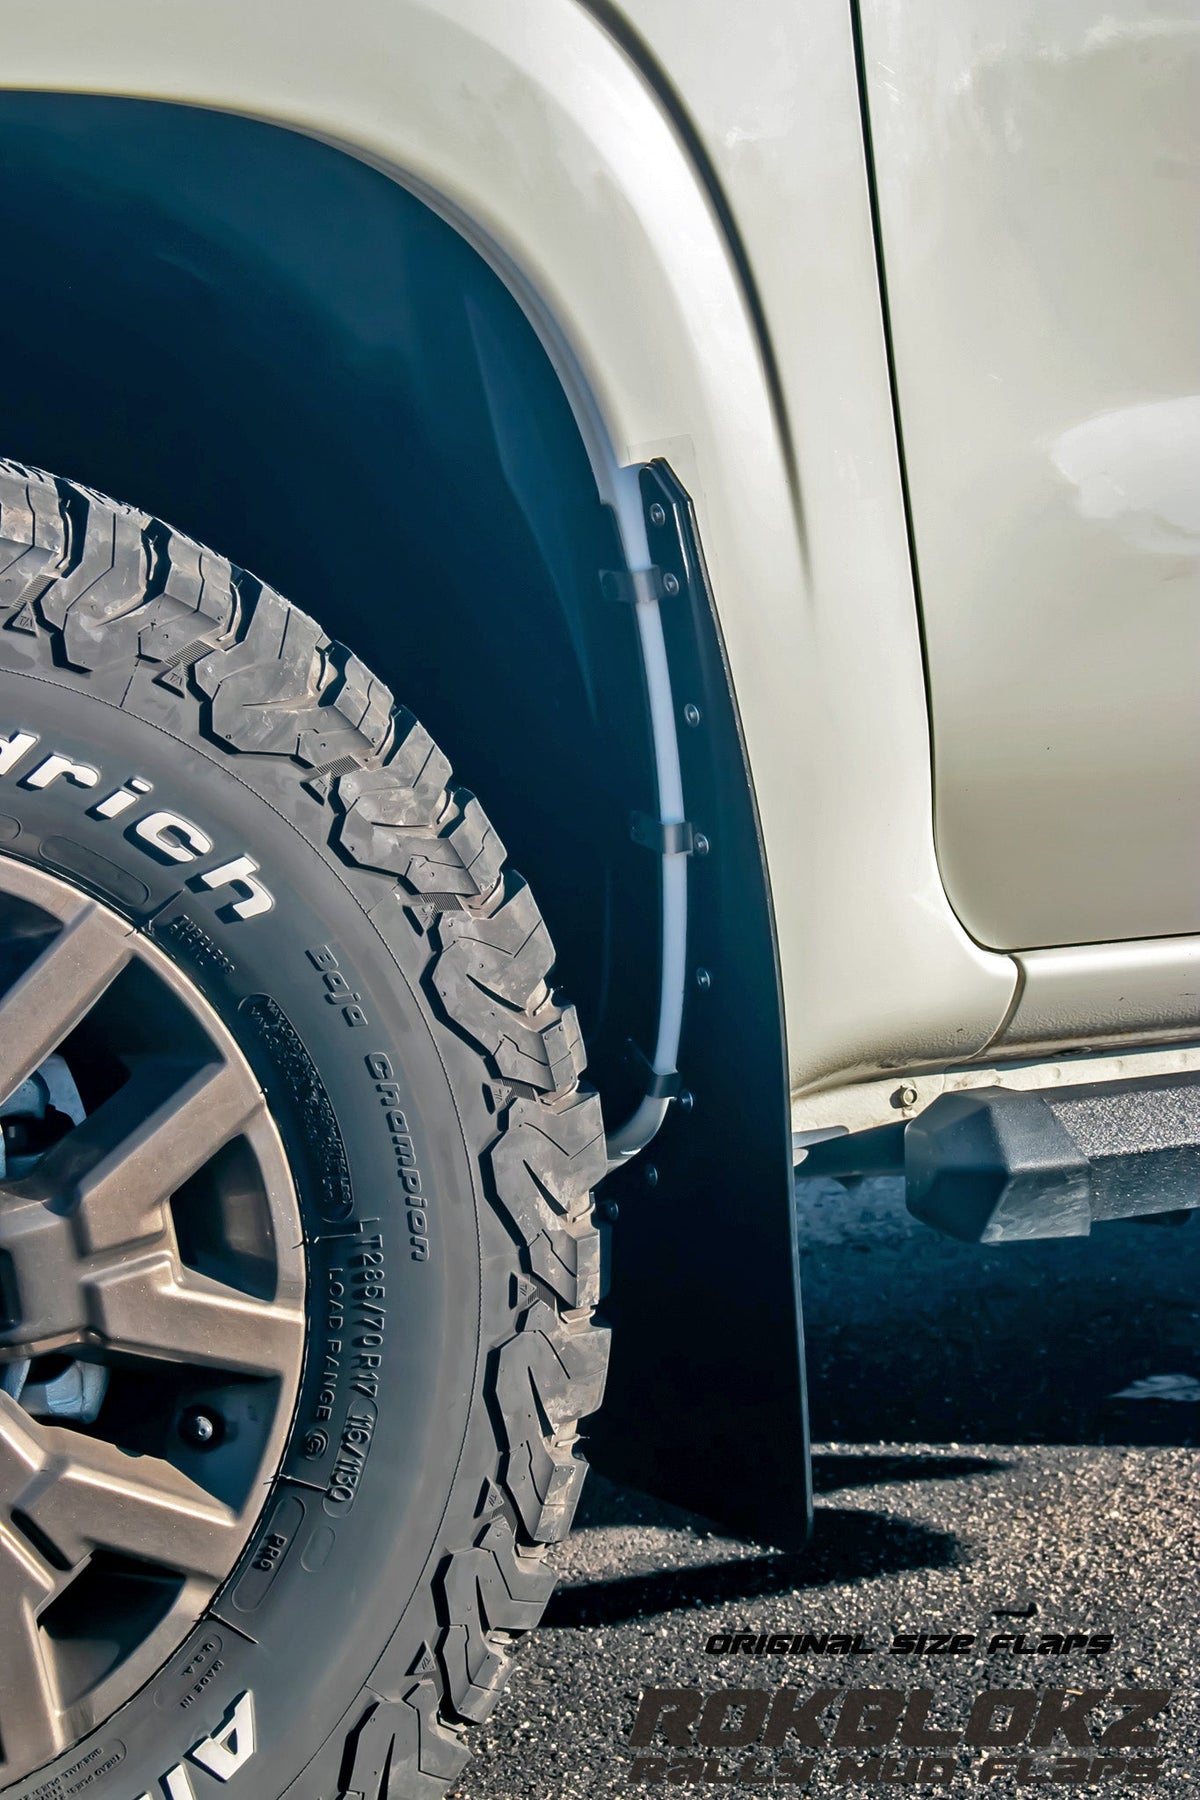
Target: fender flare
(535,135)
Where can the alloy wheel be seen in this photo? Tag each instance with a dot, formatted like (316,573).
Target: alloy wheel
(151,1311)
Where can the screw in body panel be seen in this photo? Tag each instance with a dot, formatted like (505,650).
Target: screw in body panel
(199,1429)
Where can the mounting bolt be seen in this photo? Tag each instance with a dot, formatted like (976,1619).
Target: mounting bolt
(199,1428)
(651,1176)
(691,713)
(703,979)
(905,1096)
(700,844)
(658,514)
(608,1209)
(670,583)
(685,1099)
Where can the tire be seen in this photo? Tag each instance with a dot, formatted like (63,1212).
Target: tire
(303,860)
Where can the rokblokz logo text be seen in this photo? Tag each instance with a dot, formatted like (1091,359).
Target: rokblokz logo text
(901,1736)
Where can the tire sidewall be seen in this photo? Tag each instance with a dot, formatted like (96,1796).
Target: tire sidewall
(383,1112)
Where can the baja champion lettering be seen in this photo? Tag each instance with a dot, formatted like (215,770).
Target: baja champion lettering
(407,1172)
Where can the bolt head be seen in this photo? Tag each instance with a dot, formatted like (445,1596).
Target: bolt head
(651,1176)
(670,583)
(905,1096)
(691,713)
(685,1100)
(703,979)
(700,844)
(658,514)
(199,1428)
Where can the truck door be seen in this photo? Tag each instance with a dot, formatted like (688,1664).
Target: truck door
(1034,164)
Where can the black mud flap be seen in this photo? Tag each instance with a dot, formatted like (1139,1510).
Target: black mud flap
(706,1403)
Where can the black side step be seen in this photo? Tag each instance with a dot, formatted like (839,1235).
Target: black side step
(1000,1166)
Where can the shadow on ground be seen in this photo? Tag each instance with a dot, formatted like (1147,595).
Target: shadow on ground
(914,1338)
(845,1546)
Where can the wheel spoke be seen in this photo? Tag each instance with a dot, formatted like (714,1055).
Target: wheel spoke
(103,1192)
(83,1494)
(39,1247)
(76,1494)
(57,991)
(154,1307)
(31,1722)
(116,1171)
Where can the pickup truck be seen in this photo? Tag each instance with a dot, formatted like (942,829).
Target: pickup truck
(760,447)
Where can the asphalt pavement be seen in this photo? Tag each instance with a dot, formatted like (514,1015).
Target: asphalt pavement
(1004,1441)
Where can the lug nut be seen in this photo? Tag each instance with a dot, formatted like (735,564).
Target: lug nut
(199,1428)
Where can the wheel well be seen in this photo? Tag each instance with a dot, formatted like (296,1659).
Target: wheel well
(277,348)
(285,354)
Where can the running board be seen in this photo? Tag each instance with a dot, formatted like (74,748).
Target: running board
(1002,1166)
